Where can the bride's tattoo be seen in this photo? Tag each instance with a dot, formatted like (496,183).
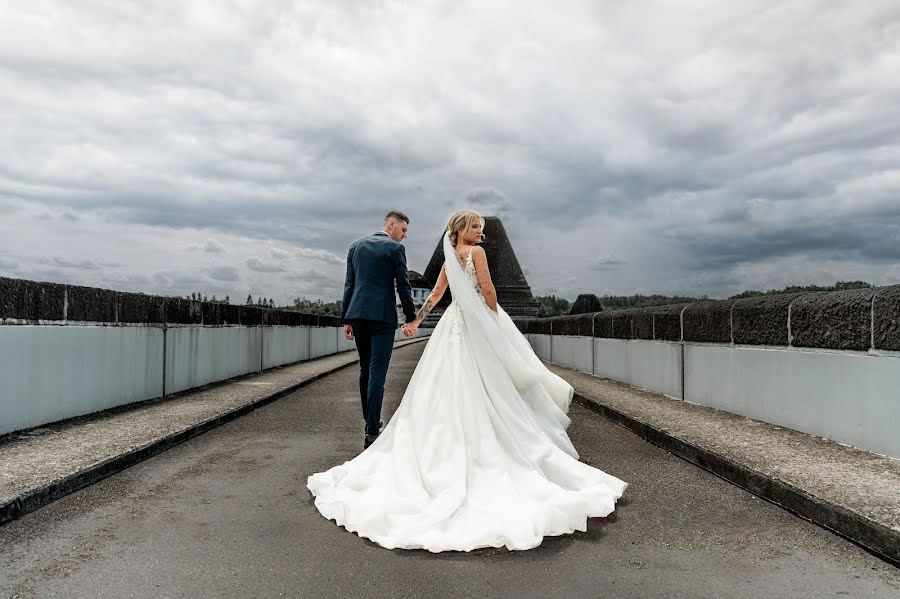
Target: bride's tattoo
(424,310)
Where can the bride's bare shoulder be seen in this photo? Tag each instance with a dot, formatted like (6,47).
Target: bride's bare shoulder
(479,259)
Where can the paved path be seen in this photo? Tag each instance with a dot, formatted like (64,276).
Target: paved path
(40,465)
(227,514)
(849,490)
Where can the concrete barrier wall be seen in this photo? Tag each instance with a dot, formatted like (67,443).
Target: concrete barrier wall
(542,346)
(851,398)
(51,373)
(197,356)
(68,350)
(821,363)
(285,345)
(574,351)
(652,365)
(323,342)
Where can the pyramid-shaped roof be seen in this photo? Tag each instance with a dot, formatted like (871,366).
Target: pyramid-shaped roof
(585,304)
(509,280)
(417,280)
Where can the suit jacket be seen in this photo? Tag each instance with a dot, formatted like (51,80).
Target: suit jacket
(374,263)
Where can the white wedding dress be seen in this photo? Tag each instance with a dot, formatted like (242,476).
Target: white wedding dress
(476,455)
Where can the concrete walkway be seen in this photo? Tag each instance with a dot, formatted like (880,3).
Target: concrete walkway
(42,465)
(227,514)
(851,491)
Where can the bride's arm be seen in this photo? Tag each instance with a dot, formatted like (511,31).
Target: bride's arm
(436,294)
(479,258)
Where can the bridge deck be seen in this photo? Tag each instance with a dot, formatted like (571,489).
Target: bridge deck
(227,514)
(849,490)
(40,465)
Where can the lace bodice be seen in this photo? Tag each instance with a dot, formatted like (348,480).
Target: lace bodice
(454,313)
(469,267)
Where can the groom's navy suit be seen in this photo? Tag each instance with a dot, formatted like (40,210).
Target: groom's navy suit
(374,264)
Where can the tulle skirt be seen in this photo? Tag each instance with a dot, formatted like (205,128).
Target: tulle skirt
(469,459)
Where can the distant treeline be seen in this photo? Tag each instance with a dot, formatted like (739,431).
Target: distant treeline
(199,297)
(552,305)
(839,286)
(308,306)
(620,302)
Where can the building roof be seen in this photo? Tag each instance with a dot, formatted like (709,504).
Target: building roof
(507,275)
(585,304)
(418,281)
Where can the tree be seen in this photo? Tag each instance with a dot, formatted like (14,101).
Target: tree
(316,307)
(750,293)
(271,303)
(227,299)
(249,300)
(550,305)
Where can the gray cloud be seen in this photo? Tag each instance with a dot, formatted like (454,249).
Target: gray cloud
(608,262)
(224,273)
(488,201)
(175,280)
(77,264)
(259,266)
(210,246)
(128,281)
(718,147)
(323,255)
(313,283)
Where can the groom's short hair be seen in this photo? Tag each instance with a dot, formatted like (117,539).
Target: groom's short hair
(396,214)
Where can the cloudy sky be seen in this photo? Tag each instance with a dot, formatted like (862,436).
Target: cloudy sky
(239,147)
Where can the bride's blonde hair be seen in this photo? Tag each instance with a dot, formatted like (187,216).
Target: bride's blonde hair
(460,222)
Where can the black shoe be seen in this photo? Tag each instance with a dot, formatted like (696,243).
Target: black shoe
(369,440)
(380,425)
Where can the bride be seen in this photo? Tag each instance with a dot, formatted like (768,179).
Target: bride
(476,455)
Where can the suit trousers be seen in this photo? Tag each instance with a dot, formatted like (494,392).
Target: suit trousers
(375,344)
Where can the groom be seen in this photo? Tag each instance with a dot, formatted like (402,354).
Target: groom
(369,310)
